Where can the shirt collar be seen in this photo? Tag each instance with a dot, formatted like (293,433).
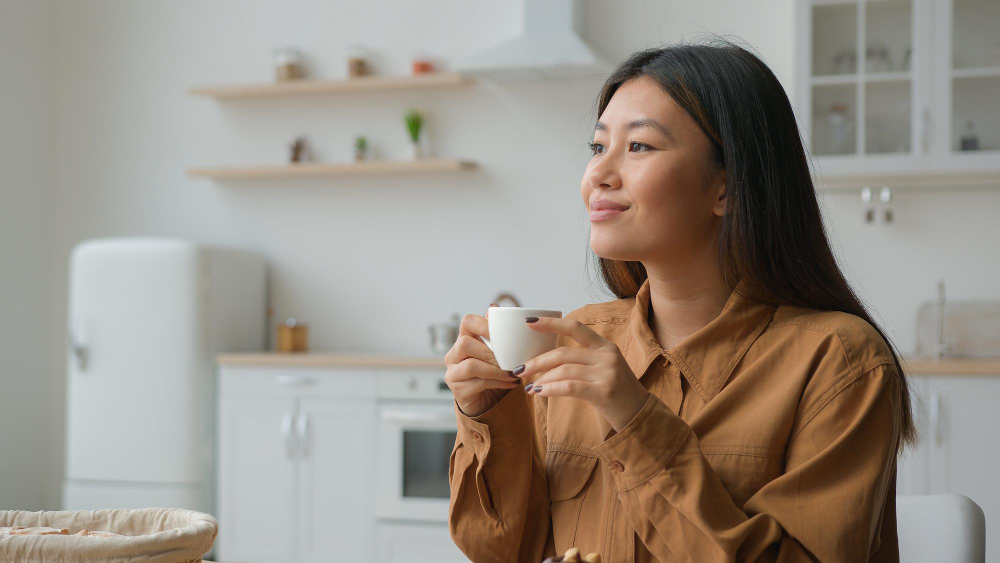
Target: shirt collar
(707,357)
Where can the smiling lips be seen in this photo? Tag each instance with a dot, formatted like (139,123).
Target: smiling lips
(602,209)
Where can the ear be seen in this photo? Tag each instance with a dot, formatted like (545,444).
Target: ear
(719,193)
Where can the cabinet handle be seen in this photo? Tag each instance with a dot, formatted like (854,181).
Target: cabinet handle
(303,430)
(925,128)
(936,417)
(286,435)
(295,380)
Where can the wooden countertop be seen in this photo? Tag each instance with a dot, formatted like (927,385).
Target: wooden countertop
(331,359)
(952,366)
(916,365)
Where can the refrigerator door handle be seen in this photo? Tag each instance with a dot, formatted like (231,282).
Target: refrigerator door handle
(286,435)
(303,430)
(78,348)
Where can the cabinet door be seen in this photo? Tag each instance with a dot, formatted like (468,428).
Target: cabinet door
(257,479)
(962,435)
(337,468)
(862,86)
(967,128)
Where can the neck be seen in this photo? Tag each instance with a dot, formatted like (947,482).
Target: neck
(683,300)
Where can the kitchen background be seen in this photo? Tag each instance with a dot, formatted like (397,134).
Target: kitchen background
(97,130)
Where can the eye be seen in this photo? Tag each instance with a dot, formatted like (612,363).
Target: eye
(630,143)
(595,146)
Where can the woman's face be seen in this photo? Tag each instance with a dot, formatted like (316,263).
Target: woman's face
(674,201)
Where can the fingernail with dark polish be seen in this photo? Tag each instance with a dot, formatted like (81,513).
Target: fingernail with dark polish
(528,387)
(518,370)
(537,389)
(530,319)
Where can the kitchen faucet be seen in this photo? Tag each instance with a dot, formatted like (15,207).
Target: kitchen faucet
(942,348)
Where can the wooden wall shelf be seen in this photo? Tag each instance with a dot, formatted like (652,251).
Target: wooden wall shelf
(316,169)
(318,87)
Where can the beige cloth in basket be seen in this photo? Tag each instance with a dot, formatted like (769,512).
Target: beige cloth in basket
(152,535)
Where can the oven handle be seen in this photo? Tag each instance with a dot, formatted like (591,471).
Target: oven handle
(390,414)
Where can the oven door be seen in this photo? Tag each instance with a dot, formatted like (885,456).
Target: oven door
(415,443)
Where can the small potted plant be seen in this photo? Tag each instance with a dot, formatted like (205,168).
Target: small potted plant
(360,148)
(414,122)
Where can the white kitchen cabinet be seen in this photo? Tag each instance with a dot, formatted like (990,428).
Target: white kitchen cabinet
(957,452)
(257,484)
(296,464)
(336,483)
(889,87)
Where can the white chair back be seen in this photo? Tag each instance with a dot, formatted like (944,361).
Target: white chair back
(935,528)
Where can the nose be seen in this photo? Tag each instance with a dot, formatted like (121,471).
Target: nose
(603,175)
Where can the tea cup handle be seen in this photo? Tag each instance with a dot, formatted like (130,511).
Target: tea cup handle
(486,341)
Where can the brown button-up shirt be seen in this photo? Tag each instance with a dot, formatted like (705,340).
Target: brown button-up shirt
(769,434)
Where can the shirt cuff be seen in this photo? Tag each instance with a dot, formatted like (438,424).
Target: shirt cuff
(645,445)
(502,425)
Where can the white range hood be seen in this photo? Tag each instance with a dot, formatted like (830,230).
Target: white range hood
(548,47)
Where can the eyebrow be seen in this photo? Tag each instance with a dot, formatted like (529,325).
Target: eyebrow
(643,122)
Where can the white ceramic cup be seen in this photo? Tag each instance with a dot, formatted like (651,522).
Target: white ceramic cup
(512,341)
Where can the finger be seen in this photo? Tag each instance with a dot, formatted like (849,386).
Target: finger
(476,386)
(473,368)
(557,357)
(567,371)
(469,347)
(571,328)
(566,388)
(474,325)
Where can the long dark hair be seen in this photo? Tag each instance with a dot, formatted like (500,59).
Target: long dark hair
(771,236)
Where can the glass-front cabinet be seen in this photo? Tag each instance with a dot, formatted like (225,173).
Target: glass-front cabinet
(896,87)
(974,75)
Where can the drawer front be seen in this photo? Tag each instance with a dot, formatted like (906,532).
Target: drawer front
(296,380)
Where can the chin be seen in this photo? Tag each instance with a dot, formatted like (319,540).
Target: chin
(611,249)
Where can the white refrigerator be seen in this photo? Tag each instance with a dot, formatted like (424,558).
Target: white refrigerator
(147,317)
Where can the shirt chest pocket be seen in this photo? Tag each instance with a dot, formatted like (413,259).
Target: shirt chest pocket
(568,475)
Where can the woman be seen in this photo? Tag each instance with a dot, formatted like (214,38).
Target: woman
(737,402)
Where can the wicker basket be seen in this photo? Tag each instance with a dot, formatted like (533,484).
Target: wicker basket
(153,535)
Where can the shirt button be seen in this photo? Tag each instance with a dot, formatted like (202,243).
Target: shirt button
(618,466)
(478,437)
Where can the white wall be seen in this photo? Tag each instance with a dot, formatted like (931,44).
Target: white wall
(26,383)
(948,236)
(367,261)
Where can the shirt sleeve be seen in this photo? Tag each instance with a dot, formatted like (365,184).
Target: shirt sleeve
(826,506)
(499,506)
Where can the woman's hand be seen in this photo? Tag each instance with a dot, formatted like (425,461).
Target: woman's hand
(596,373)
(475,378)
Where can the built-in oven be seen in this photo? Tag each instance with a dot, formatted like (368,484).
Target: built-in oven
(416,433)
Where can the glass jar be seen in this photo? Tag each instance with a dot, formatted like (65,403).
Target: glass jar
(357,66)
(287,64)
